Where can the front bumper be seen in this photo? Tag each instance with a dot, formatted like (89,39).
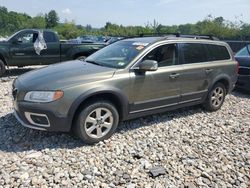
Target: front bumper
(27,125)
(58,123)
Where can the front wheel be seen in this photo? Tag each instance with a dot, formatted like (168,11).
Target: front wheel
(215,97)
(96,122)
(2,68)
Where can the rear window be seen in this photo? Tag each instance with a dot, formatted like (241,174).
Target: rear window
(49,37)
(216,52)
(244,52)
(194,53)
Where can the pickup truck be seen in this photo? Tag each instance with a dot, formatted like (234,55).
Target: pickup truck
(19,49)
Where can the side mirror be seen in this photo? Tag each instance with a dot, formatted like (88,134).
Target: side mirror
(19,40)
(148,65)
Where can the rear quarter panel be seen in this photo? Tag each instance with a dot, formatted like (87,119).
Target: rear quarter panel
(223,70)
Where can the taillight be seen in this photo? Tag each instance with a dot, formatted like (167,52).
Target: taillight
(237,66)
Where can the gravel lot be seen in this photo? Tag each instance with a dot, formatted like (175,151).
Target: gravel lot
(196,148)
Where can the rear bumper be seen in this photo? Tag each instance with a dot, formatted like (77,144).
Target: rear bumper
(243,82)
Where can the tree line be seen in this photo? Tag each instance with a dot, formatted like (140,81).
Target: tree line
(11,22)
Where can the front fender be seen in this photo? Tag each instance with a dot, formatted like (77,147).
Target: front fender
(123,100)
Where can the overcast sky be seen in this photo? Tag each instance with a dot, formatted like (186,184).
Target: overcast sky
(134,12)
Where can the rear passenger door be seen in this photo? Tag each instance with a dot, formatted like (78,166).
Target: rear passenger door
(218,57)
(196,70)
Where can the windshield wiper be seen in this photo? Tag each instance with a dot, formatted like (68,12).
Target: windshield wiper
(93,62)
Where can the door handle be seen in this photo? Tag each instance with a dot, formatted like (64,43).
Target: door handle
(174,75)
(19,54)
(208,71)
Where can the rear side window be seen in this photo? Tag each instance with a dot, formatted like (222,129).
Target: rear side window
(216,52)
(193,53)
(49,37)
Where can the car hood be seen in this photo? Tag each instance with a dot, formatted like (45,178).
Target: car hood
(63,75)
(3,43)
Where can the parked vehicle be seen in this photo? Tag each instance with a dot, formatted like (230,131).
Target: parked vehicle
(114,39)
(243,57)
(19,49)
(127,79)
(88,39)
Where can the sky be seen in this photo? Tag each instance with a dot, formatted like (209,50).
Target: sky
(134,12)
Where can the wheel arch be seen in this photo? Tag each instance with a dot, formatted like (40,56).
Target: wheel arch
(114,96)
(3,59)
(225,80)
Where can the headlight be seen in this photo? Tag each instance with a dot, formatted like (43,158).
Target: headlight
(43,96)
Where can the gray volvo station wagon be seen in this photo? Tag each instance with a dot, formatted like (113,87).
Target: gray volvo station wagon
(128,79)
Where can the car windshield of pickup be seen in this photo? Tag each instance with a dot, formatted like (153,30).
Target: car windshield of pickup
(117,55)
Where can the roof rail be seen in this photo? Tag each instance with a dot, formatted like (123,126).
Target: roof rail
(158,34)
(208,37)
(167,35)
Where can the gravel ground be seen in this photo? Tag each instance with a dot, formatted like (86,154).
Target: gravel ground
(196,148)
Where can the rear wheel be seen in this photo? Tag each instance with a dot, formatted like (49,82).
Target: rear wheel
(96,122)
(215,97)
(2,68)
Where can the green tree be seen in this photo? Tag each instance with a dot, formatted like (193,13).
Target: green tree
(245,32)
(38,22)
(11,22)
(51,19)
(69,30)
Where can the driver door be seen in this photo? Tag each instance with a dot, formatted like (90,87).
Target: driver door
(22,52)
(160,88)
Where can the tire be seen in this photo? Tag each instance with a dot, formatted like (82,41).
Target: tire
(215,98)
(81,58)
(2,68)
(90,125)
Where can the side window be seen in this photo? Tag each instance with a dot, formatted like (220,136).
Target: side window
(165,55)
(49,37)
(27,37)
(216,52)
(194,53)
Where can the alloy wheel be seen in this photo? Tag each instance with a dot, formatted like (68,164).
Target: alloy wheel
(217,96)
(98,123)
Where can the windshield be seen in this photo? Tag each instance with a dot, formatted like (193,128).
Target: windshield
(117,55)
(12,36)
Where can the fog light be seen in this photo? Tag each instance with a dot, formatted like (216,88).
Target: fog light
(37,119)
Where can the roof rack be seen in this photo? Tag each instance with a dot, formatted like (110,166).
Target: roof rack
(208,37)
(167,35)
